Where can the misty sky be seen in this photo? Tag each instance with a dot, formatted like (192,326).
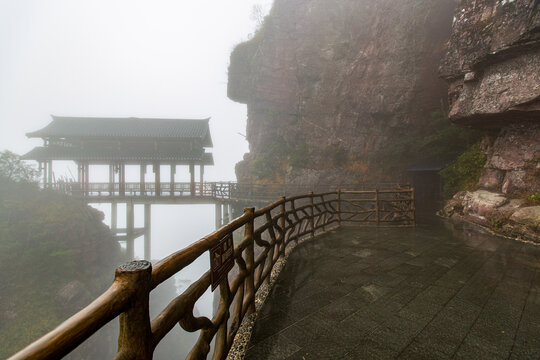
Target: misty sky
(122,58)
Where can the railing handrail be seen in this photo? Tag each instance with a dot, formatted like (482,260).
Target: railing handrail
(284,221)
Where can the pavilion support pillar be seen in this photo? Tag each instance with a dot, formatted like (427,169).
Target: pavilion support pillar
(218,215)
(226,219)
(201,179)
(122,179)
(141,179)
(157,181)
(114,217)
(86,179)
(111,179)
(147,232)
(130,225)
(49,173)
(192,179)
(44,170)
(173,171)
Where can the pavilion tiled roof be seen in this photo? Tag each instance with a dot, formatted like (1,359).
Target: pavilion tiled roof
(94,127)
(98,155)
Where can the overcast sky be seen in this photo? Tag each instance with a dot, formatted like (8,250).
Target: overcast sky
(122,58)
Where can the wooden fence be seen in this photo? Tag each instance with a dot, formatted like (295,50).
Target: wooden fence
(278,225)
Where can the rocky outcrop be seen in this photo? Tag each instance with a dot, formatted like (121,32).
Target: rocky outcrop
(327,83)
(513,160)
(492,62)
(492,65)
(505,216)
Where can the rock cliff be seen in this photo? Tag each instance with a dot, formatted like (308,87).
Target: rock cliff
(328,83)
(492,64)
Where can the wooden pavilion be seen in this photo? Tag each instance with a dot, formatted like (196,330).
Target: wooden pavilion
(118,142)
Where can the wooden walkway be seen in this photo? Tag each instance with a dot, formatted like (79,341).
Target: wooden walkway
(423,293)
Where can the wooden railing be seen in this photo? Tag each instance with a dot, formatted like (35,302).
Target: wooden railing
(267,233)
(215,190)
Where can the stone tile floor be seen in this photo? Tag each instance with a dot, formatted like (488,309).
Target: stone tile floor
(435,292)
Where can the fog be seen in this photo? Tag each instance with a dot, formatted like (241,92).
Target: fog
(127,58)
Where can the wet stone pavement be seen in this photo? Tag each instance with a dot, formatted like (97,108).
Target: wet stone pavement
(438,291)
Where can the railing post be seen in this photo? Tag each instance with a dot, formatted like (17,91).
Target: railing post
(135,336)
(250,259)
(377,206)
(312,218)
(339,207)
(282,209)
(220,351)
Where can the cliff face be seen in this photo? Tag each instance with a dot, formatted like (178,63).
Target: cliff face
(327,84)
(492,65)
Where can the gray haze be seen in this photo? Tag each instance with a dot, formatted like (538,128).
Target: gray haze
(123,58)
(165,58)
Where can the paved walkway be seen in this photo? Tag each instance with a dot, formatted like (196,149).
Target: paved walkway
(404,293)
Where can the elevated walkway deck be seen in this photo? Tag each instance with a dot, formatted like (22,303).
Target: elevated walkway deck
(425,293)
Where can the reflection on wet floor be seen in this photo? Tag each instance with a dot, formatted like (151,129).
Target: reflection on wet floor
(434,292)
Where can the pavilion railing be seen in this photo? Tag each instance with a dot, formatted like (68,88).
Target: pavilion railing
(267,233)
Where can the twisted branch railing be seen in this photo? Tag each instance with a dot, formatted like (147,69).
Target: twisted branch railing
(267,233)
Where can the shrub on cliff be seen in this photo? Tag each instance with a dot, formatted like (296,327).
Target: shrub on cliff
(464,173)
(47,241)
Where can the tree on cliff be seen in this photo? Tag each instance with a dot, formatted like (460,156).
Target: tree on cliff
(12,168)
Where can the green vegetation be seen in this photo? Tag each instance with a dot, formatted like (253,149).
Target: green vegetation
(46,241)
(12,168)
(465,172)
(532,199)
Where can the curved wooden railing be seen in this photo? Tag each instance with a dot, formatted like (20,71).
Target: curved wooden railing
(266,234)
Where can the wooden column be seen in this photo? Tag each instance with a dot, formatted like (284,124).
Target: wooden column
(192,179)
(218,216)
(50,174)
(141,179)
(147,232)
(135,335)
(86,178)
(226,219)
(173,171)
(130,224)
(122,179)
(201,179)
(157,178)
(249,297)
(44,169)
(114,217)
(111,179)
